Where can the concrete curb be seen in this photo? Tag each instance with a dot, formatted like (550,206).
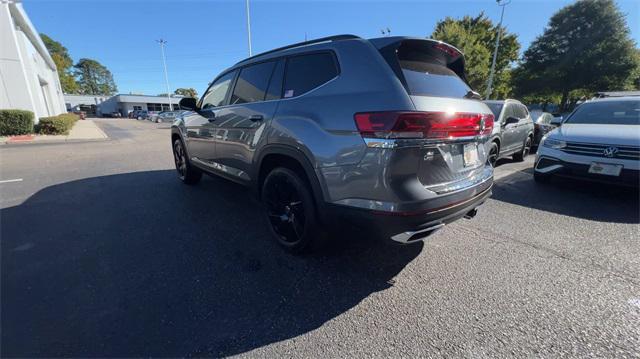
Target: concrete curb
(82,131)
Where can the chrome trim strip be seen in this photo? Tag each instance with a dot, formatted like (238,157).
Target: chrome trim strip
(405,236)
(222,168)
(418,142)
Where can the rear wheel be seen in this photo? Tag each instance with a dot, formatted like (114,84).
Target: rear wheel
(186,172)
(526,148)
(290,211)
(494,151)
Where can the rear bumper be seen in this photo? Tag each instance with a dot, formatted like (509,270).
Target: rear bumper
(412,226)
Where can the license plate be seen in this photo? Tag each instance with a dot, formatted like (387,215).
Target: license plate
(470,154)
(605,169)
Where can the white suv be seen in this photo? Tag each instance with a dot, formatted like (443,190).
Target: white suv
(599,141)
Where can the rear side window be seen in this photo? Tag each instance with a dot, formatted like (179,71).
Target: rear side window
(306,72)
(252,83)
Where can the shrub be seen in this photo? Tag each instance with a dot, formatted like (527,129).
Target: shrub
(56,125)
(15,122)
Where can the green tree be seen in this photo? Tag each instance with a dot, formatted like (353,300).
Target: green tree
(586,47)
(94,78)
(476,37)
(61,58)
(187,92)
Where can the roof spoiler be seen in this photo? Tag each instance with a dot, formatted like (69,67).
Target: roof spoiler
(450,56)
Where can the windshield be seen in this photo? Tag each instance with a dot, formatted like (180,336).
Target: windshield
(607,113)
(495,108)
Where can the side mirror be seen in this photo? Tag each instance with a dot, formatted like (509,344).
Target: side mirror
(188,103)
(511,120)
(557,121)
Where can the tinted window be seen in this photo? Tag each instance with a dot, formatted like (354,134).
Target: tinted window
(275,85)
(217,93)
(252,83)
(430,79)
(609,112)
(495,108)
(306,72)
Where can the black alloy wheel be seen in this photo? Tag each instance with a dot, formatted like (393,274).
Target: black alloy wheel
(526,149)
(290,210)
(186,173)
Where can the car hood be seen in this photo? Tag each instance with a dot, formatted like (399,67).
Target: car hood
(628,135)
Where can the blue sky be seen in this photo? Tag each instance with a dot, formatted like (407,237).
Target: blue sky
(205,37)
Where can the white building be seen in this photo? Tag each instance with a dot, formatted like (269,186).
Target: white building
(98,105)
(28,76)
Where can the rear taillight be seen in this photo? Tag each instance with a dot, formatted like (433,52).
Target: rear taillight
(428,125)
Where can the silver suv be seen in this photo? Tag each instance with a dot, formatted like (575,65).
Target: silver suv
(383,133)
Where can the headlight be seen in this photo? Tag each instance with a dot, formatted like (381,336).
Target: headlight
(551,143)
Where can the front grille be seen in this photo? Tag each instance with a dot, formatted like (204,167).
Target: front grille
(598,150)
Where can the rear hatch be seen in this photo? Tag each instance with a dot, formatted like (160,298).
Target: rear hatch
(450,124)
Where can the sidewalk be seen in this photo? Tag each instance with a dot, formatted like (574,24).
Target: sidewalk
(83,130)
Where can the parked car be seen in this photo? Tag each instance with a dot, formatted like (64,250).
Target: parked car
(543,122)
(114,114)
(513,131)
(142,115)
(600,140)
(134,113)
(168,116)
(379,132)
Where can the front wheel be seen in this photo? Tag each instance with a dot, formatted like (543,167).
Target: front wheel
(186,172)
(526,148)
(290,211)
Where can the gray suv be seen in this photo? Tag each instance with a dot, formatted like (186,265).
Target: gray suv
(382,133)
(513,131)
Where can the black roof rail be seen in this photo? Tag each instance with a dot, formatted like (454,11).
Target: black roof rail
(304,43)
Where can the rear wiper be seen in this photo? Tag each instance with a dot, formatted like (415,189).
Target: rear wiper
(473,95)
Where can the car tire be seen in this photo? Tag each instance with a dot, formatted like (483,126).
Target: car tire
(524,152)
(187,173)
(494,153)
(541,177)
(289,210)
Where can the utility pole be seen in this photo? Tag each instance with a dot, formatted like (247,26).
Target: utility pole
(503,4)
(248,26)
(162,42)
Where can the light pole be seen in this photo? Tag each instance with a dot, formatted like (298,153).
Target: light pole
(248,26)
(162,42)
(503,4)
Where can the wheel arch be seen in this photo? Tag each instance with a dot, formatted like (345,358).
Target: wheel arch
(275,155)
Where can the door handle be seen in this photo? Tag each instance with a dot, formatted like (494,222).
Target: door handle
(255,118)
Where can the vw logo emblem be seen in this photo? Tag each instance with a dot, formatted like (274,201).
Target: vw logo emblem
(610,151)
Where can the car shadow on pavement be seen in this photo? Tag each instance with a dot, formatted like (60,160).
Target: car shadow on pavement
(570,197)
(138,264)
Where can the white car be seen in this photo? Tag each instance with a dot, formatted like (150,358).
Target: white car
(599,141)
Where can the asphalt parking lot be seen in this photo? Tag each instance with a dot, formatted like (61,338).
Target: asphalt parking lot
(105,253)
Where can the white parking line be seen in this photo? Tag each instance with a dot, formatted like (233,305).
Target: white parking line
(12,180)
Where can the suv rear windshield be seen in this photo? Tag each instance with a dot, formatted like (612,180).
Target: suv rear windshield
(427,74)
(607,113)
(428,79)
(495,107)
